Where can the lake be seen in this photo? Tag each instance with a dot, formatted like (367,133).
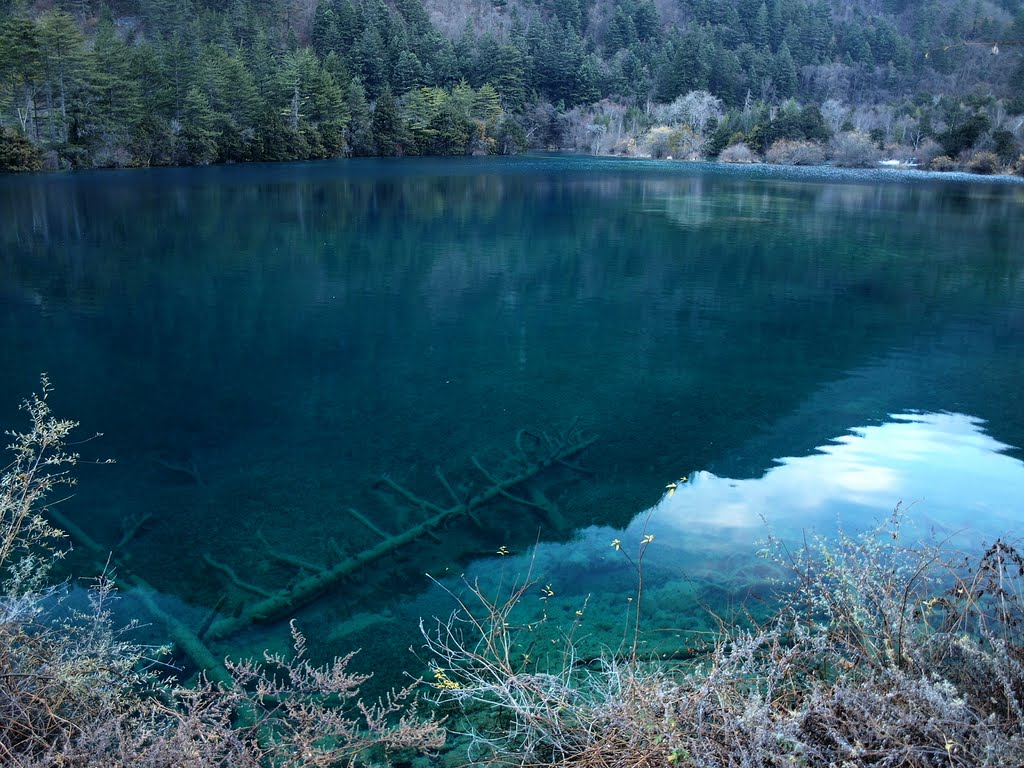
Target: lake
(295,366)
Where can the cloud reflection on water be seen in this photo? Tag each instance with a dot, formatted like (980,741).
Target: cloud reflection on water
(951,473)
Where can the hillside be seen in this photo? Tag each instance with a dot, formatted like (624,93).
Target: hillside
(201,81)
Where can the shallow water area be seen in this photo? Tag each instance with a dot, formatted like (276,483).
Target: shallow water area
(295,364)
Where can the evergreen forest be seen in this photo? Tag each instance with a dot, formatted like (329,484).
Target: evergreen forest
(119,83)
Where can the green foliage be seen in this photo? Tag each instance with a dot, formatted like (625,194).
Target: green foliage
(964,134)
(197,140)
(1004,145)
(359,131)
(795,124)
(388,134)
(108,85)
(18,153)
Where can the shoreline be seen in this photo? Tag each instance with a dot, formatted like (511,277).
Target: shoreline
(761,169)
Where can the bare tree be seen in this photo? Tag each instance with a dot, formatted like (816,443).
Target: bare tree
(834,113)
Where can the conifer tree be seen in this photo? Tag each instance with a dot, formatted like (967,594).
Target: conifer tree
(21,67)
(63,57)
(197,140)
(387,125)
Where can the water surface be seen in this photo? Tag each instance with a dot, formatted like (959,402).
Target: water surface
(261,344)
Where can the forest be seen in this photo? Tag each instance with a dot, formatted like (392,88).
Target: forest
(127,83)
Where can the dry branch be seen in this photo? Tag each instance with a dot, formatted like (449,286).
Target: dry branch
(368,523)
(187,468)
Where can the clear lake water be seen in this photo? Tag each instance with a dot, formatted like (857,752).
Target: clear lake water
(261,346)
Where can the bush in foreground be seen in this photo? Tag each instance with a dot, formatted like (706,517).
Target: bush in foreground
(17,153)
(985,163)
(881,655)
(853,149)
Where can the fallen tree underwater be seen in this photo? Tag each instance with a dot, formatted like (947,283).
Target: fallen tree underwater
(534,452)
(547,451)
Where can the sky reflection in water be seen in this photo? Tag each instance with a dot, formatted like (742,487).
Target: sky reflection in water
(955,482)
(943,467)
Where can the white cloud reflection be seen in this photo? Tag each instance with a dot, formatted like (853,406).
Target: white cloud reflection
(954,475)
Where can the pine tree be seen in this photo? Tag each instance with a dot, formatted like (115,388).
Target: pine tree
(451,130)
(486,104)
(387,125)
(760,35)
(197,140)
(21,67)
(408,72)
(63,61)
(324,33)
(369,60)
(508,76)
(359,131)
(419,109)
(784,73)
(118,101)
(621,32)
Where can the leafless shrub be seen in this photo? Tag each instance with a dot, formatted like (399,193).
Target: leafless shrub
(737,153)
(853,149)
(881,655)
(942,163)
(28,543)
(659,142)
(927,151)
(985,163)
(795,152)
(679,142)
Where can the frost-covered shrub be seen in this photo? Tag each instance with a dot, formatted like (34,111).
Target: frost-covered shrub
(625,146)
(795,152)
(899,152)
(737,153)
(853,149)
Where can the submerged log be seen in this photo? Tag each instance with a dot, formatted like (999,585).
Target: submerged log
(542,454)
(184,639)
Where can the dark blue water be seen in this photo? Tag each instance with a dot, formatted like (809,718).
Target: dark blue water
(260,345)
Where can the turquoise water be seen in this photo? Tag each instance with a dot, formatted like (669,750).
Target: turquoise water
(261,345)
